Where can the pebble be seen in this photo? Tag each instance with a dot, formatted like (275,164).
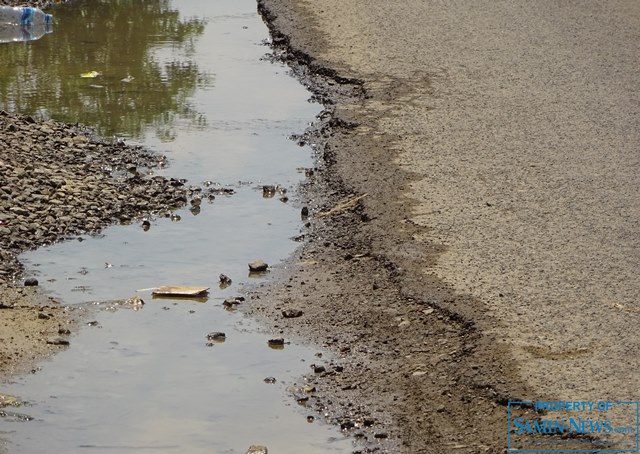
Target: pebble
(225,281)
(134,302)
(292,313)
(275,342)
(270,380)
(257,449)
(31,282)
(231,303)
(57,341)
(217,336)
(268,191)
(347,425)
(258,266)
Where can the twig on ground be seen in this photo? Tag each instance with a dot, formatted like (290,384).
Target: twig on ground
(342,206)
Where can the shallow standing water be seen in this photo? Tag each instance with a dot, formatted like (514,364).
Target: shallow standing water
(185,78)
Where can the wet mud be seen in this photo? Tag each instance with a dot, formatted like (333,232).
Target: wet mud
(34,327)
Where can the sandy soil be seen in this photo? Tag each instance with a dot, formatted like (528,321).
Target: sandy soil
(496,254)
(34,326)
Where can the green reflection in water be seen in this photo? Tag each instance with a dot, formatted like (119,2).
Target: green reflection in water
(141,39)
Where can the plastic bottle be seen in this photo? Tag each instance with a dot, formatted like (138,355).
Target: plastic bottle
(11,33)
(23,24)
(24,16)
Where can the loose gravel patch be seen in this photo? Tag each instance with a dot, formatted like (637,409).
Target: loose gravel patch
(58,181)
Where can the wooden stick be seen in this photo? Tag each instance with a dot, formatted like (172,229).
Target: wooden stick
(342,206)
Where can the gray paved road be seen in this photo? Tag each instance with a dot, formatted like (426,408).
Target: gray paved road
(521,119)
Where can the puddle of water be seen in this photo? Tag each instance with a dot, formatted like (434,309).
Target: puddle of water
(145,380)
(223,238)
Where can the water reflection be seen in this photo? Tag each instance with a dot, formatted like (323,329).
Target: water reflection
(119,39)
(18,33)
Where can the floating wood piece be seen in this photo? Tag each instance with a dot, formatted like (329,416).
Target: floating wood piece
(177,290)
(342,206)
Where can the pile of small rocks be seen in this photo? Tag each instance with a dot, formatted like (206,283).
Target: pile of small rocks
(42,4)
(57,181)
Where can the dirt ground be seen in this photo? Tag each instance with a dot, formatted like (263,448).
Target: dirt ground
(495,255)
(34,327)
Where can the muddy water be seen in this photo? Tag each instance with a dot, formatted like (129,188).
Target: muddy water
(196,89)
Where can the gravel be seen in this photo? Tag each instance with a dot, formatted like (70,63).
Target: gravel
(58,181)
(42,4)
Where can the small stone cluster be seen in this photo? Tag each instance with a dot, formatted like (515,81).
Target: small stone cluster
(42,4)
(57,181)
